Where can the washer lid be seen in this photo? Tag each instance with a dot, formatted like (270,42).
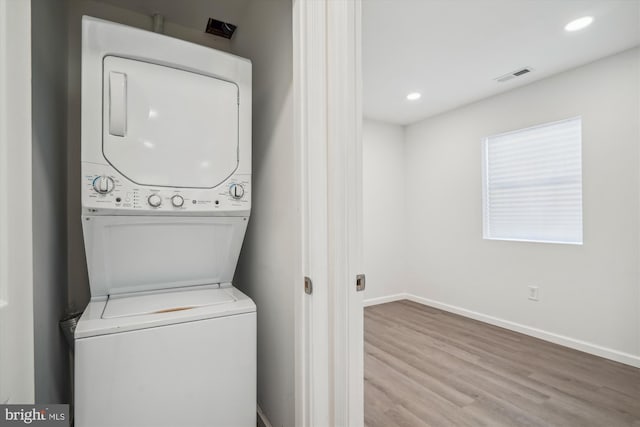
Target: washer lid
(92,323)
(164,302)
(167,127)
(129,254)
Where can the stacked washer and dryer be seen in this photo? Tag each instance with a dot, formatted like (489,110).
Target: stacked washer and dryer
(166,340)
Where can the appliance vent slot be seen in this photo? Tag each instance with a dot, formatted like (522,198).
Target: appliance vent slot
(219,28)
(513,74)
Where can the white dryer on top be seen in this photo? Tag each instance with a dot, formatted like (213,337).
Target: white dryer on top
(166,195)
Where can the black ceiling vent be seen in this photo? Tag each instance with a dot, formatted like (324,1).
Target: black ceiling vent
(513,74)
(219,28)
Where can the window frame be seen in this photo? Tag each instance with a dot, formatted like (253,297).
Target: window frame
(485,185)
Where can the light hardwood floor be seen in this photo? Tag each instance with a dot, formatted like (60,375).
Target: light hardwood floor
(427,367)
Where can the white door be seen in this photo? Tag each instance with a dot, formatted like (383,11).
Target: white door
(345,209)
(168,127)
(16,277)
(329,322)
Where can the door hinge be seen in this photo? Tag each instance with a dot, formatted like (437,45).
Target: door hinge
(308,286)
(360,282)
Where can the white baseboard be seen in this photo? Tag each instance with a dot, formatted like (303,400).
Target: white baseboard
(388,298)
(263,418)
(607,353)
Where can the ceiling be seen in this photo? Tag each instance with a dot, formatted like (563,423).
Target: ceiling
(188,13)
(452,50)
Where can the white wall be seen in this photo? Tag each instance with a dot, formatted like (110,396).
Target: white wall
(266,270)
(384,207)
(589,293)
(49,97)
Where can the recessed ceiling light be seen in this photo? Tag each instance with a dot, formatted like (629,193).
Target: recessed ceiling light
(414,96)
(578,24)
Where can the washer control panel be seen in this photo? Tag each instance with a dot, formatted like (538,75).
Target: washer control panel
(104,189)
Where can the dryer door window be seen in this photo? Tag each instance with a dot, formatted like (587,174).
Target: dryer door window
(168,127)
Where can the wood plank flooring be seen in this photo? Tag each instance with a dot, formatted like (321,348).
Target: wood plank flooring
(427,367)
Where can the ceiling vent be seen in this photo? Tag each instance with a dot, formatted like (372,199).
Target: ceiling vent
(219,28)
(513,74)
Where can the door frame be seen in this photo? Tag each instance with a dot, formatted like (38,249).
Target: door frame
(327,125)
(16,246)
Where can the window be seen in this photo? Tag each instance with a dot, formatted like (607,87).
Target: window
(532,184)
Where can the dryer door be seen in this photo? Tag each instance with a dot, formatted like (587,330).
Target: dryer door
(167,127)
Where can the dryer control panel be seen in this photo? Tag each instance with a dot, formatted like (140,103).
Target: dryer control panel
(104,190)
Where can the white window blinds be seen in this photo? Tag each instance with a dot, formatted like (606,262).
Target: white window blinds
(532,186)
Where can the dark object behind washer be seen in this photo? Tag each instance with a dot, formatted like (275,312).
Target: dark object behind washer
(219,28)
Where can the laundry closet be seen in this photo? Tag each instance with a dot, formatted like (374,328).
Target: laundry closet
(262,33)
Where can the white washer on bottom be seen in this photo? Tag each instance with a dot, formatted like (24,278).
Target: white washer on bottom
(182,357)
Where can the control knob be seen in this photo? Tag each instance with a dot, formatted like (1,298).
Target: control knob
(177,201)
(154,200)
(103,184)
(236,191)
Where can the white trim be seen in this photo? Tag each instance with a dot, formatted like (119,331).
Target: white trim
(263,417)
(312,406)
(16,248)
(4,149)
(586,347)
(329,336)
(344,154)
(553,242)
(383,300)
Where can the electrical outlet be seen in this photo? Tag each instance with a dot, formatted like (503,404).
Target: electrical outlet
(534,294)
